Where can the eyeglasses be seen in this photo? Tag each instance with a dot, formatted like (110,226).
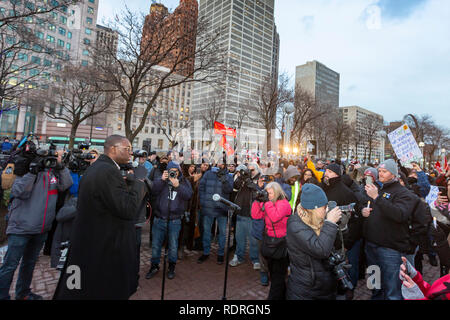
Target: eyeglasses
(126,148)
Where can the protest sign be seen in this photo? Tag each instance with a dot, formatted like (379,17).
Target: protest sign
(404,145)
(432,196)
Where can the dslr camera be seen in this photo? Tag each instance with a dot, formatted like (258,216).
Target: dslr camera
(340,267)
(261,196)
(140,154)
(245,173)
(172,174)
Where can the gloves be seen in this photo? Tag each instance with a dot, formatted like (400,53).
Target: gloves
(413,293)
(410,270)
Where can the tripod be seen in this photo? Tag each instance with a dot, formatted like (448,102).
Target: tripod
(166,251)
(231,211)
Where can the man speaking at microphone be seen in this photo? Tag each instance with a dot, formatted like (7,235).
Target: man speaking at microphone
(101,262)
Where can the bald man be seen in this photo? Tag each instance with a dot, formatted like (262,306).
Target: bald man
(103,246)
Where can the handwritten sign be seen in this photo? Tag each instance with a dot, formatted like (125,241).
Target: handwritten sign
(404,145)
(432,196)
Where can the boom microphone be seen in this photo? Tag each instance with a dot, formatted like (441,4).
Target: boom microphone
(217,197)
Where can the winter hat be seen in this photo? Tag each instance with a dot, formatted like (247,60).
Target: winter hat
(312,197)
(172,165)
(335,168)
(291,172)
(373,172)
(391,166)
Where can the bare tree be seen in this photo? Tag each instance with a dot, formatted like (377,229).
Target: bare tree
(340,132)
(241,116)
(419,125)
(211,115)
(272,95)
(79,97)
(372,128)
(170,127)
(306,111)
(143,68)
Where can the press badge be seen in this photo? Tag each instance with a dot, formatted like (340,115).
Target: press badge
(386,195)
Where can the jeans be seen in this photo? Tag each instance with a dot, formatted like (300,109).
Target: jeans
(389,261)
(243,228)
(159,230)
(27,248)
(207,225)
(353,259)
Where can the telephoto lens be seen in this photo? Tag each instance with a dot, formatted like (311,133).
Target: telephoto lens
(172,174)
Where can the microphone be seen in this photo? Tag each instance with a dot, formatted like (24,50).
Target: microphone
(233,206)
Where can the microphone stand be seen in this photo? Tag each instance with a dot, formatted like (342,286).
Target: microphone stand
(230,215)
(166,251)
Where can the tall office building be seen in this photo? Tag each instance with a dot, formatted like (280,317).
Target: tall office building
(320,81)
(248,35)
(162,30)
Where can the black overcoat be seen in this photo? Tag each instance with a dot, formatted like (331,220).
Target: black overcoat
(103,238)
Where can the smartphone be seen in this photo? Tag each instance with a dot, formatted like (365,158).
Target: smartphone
(406,269)
(443,191)
(369,180)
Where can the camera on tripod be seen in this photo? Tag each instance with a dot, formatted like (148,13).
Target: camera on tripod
(340,267)
(76,160)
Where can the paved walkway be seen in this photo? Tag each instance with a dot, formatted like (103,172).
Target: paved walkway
(192,281)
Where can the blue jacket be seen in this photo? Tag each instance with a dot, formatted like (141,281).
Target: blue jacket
(149,166)
(6,146)
(210,185)
(286,188)
(178,205)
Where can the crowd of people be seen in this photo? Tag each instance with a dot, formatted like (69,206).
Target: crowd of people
(303,223)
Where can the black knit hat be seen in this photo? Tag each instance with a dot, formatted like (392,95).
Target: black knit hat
(335,168)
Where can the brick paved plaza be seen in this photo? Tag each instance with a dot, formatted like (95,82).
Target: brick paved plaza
(192,281)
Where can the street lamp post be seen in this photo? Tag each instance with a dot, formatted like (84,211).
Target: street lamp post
(421,146)
(289,109)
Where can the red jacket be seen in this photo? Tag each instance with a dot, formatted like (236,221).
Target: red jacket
(439,290)
(276,214)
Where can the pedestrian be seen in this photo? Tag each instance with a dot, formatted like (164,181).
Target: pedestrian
(173,193)
(31,215)
(103,239)
(311,233)
(215,181)
(275,211)
(390,210)
(292,177)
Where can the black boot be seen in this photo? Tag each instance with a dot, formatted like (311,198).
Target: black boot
(153,270)
(171,270)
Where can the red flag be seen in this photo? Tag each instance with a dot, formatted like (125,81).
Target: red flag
(445,164)
(220,128)
(437,166)
(226,146)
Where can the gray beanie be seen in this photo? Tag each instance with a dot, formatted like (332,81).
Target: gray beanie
(313,197)
(391,166)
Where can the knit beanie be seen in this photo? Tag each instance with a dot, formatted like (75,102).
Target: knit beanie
(174,165)
(312,197)
(373,172)
(391,166)
(291,172)
(335,168)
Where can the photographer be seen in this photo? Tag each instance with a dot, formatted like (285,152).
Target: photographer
(6,146)
(215,181)
(274,208)
(31,216)
(173,192)
(248,182)
(103,237)
(311,233)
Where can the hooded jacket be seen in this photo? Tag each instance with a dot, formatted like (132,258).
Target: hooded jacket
(388,223)
(33,205)
(180,197)
(215,181)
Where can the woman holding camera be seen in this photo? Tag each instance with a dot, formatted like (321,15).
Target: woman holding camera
(275,213)
(311,233)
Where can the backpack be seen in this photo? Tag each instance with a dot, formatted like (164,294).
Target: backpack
(8,176)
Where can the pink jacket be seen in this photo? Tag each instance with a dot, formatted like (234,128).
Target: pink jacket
(276,214)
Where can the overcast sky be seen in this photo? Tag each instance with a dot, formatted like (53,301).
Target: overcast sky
(393,56)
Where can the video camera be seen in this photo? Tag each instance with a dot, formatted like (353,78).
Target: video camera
(140,154)
(244,173)
(75,160)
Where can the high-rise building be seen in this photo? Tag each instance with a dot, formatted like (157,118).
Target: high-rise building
(249,37)
(276,54)
(174,33)
(107,38)
(369,128)
(320,81)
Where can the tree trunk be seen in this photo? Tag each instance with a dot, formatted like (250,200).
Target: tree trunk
(73,133)
(269,140)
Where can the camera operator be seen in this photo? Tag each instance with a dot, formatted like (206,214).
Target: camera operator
(311,233)
(247,183)
(103,238)
(337,191)
(6,146)
(273,206)
(386,229)
(173,192)
(31,216)
(216,181)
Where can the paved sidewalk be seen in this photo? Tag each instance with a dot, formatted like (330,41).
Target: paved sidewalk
(192,281)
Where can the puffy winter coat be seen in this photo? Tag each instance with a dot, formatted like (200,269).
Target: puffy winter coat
(211,184)
(311,276)
(275,216)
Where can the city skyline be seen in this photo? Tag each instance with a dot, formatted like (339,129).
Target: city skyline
(391,56)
